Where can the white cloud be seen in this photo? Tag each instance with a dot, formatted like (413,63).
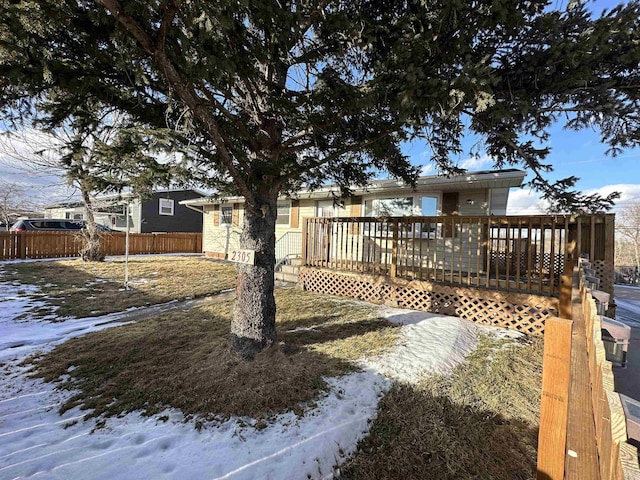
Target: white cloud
(525,202)
(629,192)
(428,169)
(477,163)
(528,202)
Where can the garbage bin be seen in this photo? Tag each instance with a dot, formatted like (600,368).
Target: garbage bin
(615,336)
(592,282)
(602,301)
(631,409)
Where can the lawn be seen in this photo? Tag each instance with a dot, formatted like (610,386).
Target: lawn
(73,288)
(481,422)
(182,360)
(317,399)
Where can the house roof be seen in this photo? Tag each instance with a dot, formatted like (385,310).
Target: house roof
(121,196)
(477,180)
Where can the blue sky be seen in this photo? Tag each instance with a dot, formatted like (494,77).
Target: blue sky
(579,154)
(573,153)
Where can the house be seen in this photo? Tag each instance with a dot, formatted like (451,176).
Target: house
(162,212)
(472,193)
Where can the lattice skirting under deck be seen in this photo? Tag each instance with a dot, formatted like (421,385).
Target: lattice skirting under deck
(524,313)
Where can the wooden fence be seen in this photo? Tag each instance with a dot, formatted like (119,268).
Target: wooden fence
(19,245)
(516,254)
(582,423)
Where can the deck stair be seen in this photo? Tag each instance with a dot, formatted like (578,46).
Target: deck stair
(288,270)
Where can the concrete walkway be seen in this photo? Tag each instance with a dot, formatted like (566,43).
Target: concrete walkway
(627,380)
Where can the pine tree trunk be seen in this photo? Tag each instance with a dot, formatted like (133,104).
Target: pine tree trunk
(254,319)
(91,251)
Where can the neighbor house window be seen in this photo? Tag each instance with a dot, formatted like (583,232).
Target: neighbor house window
(284,209)
(226,215)
(389,207)
(166,206)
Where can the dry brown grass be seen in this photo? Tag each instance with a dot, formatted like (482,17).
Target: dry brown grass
(480,423)
(182,360)
(82,289)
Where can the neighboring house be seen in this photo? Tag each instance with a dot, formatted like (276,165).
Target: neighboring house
(473,193)
(162,212)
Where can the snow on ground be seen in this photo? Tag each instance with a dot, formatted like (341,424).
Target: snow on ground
(429,344)
(35,441)
(628,311)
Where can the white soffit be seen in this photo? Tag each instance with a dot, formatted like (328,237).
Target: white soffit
(469,181)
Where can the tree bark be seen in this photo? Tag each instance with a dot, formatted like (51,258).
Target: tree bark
(91,251)
(254,318)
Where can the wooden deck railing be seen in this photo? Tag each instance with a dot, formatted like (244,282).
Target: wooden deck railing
(516,254)
(582,423)
(19,245)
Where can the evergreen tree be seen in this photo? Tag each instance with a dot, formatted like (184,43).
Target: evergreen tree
(268,95)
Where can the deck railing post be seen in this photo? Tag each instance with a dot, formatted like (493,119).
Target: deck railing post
(328,227)
(609,260)
(305,241)
(566,280)
(394,250)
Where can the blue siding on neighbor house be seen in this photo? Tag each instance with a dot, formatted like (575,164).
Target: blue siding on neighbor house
(182,220)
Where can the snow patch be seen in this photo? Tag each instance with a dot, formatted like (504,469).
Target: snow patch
(35,441)
(429,344)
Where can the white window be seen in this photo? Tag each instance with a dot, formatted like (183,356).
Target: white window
(405,207)
(226,214)
(166,206)
(329,208)
(389,207)
(284,213)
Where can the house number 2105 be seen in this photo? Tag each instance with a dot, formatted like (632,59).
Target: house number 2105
(242,256)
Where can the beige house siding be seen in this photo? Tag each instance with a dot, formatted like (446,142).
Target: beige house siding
(474,202)
(218,239)
(498,200)
(307,209)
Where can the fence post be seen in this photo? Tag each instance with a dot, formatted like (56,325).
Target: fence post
(394,250)
(21,245)
(554,407)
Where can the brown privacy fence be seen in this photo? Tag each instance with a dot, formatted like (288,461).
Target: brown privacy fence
(18,245)
(516,254)
(583,430)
